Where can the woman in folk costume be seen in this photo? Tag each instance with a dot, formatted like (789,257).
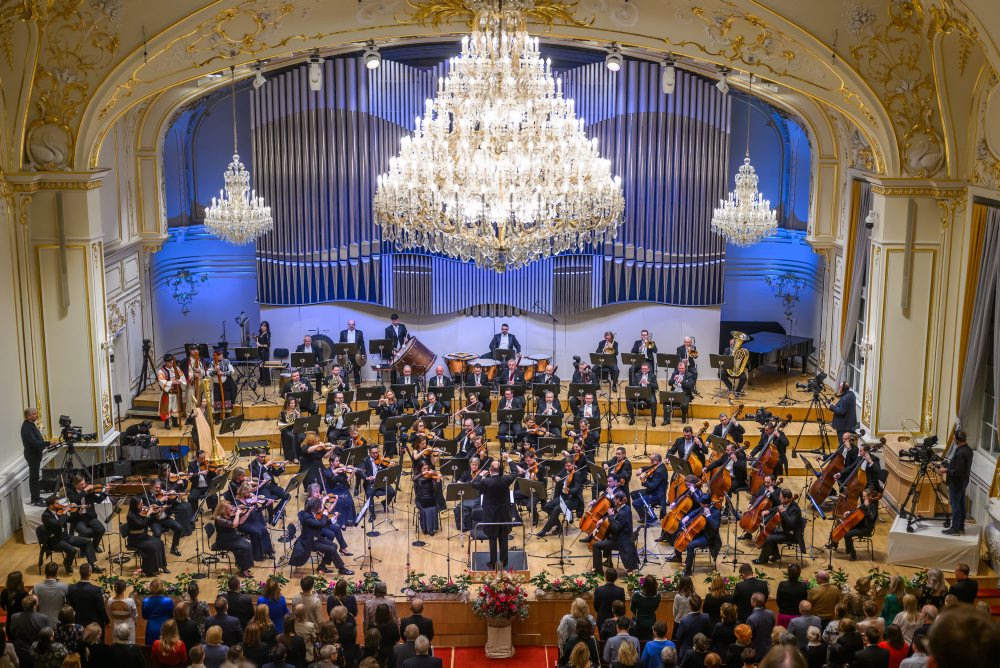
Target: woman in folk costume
(172,385)
(194,372)
(220,372)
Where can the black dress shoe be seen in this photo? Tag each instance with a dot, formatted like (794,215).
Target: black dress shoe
(675,557)
(174,551)
(747,536)
(854,556)
(665,423)
(165,570)
(631,420)
(345,571)
(830,546)
(96,569)
(99,549)
(587,539)
(663,539)
(344,552)
(759,562)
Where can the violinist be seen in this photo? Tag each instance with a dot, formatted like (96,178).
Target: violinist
(311,454)
(201,474)
(388,407)
(427,496)
(333,531)
(152,554)
(296,383)
(618,537)
(532,431)
(532,471)
(165,520)
(419,453)
(85,523)
(334,418)
(56,519)
(729,428)
(313,521)
(688,445)
(654,488)
(337,482)
(569,489)
(735,461)
(477,378)
(371,465)
(865,528)
(644,377)
(709,536)
(614,484)
(769,489)
(235,482)
(581,460)
(440,380)
(175,486)
(776,437)
(467,443)
(620,466)
(228,520)
(870,464)
(790,530)
(253,525)
(354,438)
(463,511)
(290,441)
(473,405)
(266,471)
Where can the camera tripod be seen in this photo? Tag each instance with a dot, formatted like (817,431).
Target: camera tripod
(824,438)
(913,496)
(66,470)
(148,367)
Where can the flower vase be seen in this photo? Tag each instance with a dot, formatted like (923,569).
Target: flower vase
(499,642)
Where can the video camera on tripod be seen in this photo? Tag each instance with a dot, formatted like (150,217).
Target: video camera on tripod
(814,384)
(922,453)
(69,434)
(138,434)
(763,416)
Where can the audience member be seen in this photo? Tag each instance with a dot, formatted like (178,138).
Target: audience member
(908,619)
(567,625)
(380,597)
(583,634)
(156,609)
(918,659)
(124,653)
(613,645)
(46,652)
(240,605)
(872,656)
(310,601)
(169,649)
(694,623)
(650,657)
(423,658)
(782,656)
(93,650)
(606,594)
(715,598)
(407,648)
(307,630)
(964,588)
(347,630)
(723,634)
(935,589)
(848,643)
(872,619)
(815,650)
(734,654)
(824,598)
(278,658)
(254,649)
(268,634)
(389,630)
(800,625)
(187,629)
(87,599)
(196,657)
(275,602)
(695,656)
(122,610)
(341,597)
(23,628)
(668,657)
(215,649)
(744,590)
(791,591)
(628,656)
(928,615)
(610,626)
(832,630)
(897,646)
(892,605)
(67,632)
(761,623)
(198,610)
(295,645)
(425,625)
(51,593)
(681,602)
(963,637)
(643,605)
(232,630)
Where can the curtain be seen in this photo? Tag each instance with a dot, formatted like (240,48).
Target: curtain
(985,304)
(856,254)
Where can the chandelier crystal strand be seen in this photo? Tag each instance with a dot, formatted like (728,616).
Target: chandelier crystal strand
(498,169)
(745,218)
(238,215)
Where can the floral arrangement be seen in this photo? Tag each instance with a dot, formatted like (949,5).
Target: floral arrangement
(667,584)
(566,584)
(879,579)
(838,577)
(436,584)
(364,586)
(730,582)
(140,586)
(918,582)
(502,596)
(249,585)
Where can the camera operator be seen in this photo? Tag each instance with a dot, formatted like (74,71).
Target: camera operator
(34,446)
(845,411)
(958,468)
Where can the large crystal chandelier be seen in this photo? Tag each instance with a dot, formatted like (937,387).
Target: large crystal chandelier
(238,215)
(745,217)
(498,170)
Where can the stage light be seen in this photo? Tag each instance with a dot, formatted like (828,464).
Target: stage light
(373,59)
(614,60)
(315,72)
(723,84)
(669,79)
(258,79)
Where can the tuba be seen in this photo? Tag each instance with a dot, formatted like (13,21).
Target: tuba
(741,357)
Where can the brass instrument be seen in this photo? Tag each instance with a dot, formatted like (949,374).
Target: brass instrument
(650,344)
(741,357)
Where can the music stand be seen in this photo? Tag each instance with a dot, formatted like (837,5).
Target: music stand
(303,360)
(383,479)
(444,393)
(435,422)
(300,397)
(718,444)
(509,417)
(348,351)
(720,363)
(633,361)
(379,347)
(480,418)
(605,361)
(248,366)
(457,492)
(503,354)
(369,393)
(481,391)
(599,476)
(667,361)
(669,400)
(400,422)
(516,390)
(538,391)
(557,444)
(306,424)
(534,490)
(357,418)
(405,391)
(551,423)
(449,445)
(679,465)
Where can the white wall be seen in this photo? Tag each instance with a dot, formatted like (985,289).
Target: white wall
(576,335)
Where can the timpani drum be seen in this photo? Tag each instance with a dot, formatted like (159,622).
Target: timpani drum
(416,354)
(528,367)
(458,363)
(490,367)
(541,362)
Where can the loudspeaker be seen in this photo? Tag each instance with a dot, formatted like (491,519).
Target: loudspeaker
(516,561)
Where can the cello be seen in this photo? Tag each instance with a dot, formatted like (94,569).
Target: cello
(751,518)
(591,519)
(693,461)
(850,489)
(771,524)
(768,458)
(851,519)
(821,487)
(690,532)
(672,519)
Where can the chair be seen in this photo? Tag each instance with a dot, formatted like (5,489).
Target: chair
(866,540)
(796,547)
(44,549)
(217,553)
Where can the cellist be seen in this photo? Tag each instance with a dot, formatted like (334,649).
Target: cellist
(866,459)
(619,535)
(790,528)
(771,491)
(709,536)
(777,438)
(729,428)
(688,445)
(865,528)
(614,484)
(735,461)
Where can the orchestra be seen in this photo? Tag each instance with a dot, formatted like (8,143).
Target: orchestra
(488,407)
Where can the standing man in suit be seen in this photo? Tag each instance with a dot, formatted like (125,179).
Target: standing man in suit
(232,629)
(606,594)
(240,604)
(423,658)
(643,378)
(761,622)
(748,585)
(34,447)
(504,341)
(872,656)
(424,624)
(845,411)
(646,347)
(88,600)
(396,332)
(495,490)
(439,379)
(352,335)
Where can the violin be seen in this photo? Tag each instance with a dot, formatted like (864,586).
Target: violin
(146,511)
(209,467)
(646,472)
(177,477)
(432,475)
(172,495)
(256,501)
(567,482)
(274,463)
(771,524)
(381,461)
(850,520)
(532,471)
(96,488)
(751,518)
(356,440)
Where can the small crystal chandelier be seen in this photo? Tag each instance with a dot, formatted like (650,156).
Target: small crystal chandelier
(498,169)
(238,215)
(745,217)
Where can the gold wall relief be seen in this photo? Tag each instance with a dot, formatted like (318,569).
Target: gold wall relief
(439,12)
(106,413)
(116,319)
(866,407)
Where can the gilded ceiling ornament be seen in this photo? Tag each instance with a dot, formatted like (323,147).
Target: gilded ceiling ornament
(79,40)
(438,12)
(895,58)
(987,171)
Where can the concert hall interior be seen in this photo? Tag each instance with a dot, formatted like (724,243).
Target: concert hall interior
(439,211)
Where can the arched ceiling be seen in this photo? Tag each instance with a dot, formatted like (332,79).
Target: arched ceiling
(906,75)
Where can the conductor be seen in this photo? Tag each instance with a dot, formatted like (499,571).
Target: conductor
(495,490)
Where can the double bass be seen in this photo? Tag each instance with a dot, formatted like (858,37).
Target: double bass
(693,461)
(751,518)
(821,487)
(771,524)
(768,458)
(851,519)
(851,488)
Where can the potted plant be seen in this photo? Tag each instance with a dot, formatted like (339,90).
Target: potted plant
(437,587)
(565,587)
(501,599)
(838,576)
(666,585)
(250,586)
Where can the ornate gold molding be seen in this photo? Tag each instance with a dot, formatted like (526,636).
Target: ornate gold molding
(928,412)
(116,319)
(438,12)
(919,191)
(106,414)
(23,214)
(950,206)
(866,407)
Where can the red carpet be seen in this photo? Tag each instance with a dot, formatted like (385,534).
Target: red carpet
(524,657)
